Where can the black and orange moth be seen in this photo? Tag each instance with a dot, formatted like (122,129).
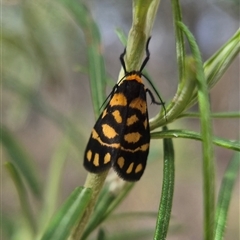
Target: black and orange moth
(121,136)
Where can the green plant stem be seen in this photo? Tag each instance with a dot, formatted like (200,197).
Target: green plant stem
(180,46)
(144,13)
(218,63)
(186,84)
(165,206)
(95,183)
(110,197)
(207,136)
(180,100)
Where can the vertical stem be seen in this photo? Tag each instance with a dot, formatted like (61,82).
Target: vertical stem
(207,136)
(95,182)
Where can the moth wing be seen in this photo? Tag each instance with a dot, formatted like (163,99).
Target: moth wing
(131,159)
(99,150)
(105,139)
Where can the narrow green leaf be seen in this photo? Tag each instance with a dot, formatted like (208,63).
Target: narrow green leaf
(207,136)
(120,195)
(180,47)
(213,115)
(178,104)
(71,211)
(95,183)
(229,144)
(122,36)
(83,18)
(165,206)
(21,160)
(216,66)
(53,183)
(23,196)
(225,194)
(187,82)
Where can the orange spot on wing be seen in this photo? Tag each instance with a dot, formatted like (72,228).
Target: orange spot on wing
(139,168)
(131,120)
(108,131)
(130,168)
(89,155)
(96,160)
(107,158)
(117,116)
(132,137)
(120,162)
(96,137)
(139,104)
(118,99)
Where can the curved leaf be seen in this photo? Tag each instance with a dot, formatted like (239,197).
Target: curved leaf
(69,214)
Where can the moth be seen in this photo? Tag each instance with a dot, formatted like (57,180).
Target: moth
(121,136)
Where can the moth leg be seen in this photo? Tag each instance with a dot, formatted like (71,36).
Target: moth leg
(155,102)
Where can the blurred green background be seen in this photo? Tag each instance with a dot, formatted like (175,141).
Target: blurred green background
(45,91)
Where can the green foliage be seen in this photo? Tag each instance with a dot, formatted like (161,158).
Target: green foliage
(31,56)
(224,196)
(165,206)
(67,216)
